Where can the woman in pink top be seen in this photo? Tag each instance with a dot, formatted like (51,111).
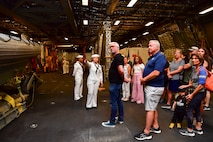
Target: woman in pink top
(137,87)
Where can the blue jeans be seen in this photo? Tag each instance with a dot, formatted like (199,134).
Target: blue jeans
(194,106)
(115,102)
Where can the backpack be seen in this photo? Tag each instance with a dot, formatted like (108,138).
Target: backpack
(209,81)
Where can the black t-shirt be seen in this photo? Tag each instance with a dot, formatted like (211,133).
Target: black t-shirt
(114,76)
(181,104)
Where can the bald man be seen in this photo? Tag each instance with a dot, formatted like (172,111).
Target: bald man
(153,80)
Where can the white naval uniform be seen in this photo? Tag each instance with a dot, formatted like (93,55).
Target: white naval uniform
(126,85)
(78,74)
(65,66)
(93,81)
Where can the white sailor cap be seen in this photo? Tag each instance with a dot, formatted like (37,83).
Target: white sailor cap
(95,55)
(79,56)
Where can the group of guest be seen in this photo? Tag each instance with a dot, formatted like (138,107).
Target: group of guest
(186,87)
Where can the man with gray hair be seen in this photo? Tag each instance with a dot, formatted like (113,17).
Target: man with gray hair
(116,77)
(153,80)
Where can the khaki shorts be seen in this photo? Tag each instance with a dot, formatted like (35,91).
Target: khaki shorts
(152,97)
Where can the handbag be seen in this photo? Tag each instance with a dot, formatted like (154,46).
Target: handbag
(209,81)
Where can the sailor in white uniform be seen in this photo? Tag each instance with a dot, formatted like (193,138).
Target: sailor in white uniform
(65,66)
(78,74)
(94,80)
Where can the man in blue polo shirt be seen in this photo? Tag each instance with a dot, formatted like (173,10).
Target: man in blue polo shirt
(153,80)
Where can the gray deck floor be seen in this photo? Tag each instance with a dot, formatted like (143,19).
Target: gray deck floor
(61,119)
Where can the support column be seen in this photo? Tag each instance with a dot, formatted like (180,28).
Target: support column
(100,44)
(107,38)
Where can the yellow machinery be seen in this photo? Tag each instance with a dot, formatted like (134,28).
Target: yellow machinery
(12,105)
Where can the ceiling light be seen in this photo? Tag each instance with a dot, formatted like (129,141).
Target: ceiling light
(131,3)
(149,23)
(134,38)
(146,33)
(7,20)
(207,10)
(117,22)
(15,37)
(126,42)
(13,32)
(31,38)
(85,22)
(33,4)
(85,2)
(90,48)
(66,38)
(5,37)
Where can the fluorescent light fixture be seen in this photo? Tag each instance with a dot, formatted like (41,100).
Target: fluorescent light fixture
(14,32)
(146,33)
(5,37)
(15,37)
(67,45)
(126,42)
(207,10)
(85,2)
(149,23)
(66,38)
(134,38)
(117,22)
(7,20)
(131,3)
(85,22)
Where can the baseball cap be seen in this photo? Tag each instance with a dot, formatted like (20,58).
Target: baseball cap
(193,48)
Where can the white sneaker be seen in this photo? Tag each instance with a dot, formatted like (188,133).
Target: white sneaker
(108,124)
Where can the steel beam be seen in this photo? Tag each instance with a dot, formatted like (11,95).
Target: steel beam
(70,14)
(112,6)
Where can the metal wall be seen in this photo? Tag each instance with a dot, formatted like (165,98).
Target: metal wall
(14,55)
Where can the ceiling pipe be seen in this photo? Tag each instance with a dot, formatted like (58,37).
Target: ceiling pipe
(112,6)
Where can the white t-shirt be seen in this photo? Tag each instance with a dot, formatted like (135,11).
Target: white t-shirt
(126,70)
(138,68)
